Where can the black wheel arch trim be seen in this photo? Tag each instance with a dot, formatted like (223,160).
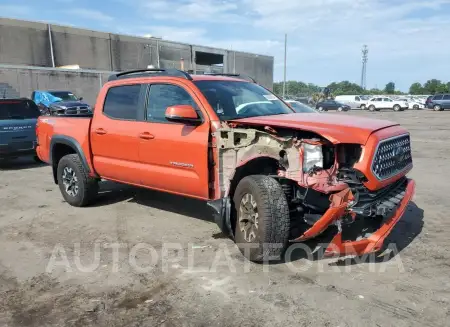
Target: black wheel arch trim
(71,142)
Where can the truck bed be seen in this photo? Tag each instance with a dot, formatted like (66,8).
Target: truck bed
(71,128)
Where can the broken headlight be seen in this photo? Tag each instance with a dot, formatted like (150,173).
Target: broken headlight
(312,157)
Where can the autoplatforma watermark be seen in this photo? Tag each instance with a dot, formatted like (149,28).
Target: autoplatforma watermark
(143,258)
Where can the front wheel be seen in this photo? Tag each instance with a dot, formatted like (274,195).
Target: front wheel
(77,188)
(340,109)
(262,218)
(363,107)
(437,108)
(397,107)
(416,107)
(372,108)
(320,108)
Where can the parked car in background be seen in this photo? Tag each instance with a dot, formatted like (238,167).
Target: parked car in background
(412,103)
(439,102)
(58,103)
(300,107)
(18,119)
(427,101)
(332,105)
(378,103)
(354,101)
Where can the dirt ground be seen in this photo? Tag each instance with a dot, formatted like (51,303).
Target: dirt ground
(142,258)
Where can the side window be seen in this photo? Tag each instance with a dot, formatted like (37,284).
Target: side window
(357,99)
(438,97)
(378,99)
(447,97)
(163,96)
(122,102)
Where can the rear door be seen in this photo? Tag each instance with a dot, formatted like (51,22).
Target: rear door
(17,125)
(114,134)
(175,155)
(446,101)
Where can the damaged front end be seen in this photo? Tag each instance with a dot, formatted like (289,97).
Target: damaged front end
(321,184)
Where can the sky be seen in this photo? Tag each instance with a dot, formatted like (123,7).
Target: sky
(407,39)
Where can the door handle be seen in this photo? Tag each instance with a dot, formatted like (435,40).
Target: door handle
(146,136)
(100,131)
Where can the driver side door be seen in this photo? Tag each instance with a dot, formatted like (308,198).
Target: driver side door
(174,155)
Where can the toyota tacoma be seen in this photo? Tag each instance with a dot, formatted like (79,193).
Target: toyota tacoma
(271,176)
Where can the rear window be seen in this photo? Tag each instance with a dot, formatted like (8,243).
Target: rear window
(18,109)
(447,97)
(122,102)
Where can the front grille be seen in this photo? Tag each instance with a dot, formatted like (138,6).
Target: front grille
(392,156)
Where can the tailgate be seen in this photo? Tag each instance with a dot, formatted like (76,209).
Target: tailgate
(17,134)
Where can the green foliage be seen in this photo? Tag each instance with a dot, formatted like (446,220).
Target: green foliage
(416,88)
(390,88)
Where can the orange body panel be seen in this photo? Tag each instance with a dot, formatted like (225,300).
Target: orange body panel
(365,165)
(375,242)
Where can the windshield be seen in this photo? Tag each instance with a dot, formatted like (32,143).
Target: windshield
(64,96)
(18,109)
(302,108)
(235,100)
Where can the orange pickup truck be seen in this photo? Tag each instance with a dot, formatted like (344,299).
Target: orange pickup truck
(270,175)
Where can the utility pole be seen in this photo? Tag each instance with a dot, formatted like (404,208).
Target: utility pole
(285,60)
(365,53)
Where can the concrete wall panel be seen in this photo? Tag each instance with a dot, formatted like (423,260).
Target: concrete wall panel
(27,44)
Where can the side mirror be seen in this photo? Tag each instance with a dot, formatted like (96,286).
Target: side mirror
(80,98)
(184,114)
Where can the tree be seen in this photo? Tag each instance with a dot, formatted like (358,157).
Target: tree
(390,88)
(416,88)
(434,86)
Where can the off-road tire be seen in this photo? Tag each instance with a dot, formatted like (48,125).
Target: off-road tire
(272,234)
(372,108)
(87,186)
(397,108)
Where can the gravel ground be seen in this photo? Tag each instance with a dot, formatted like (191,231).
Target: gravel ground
(142,258)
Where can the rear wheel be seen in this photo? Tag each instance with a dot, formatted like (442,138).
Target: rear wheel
(340,109)
(262,218)
(320,108)
(363,107)
(416,107)
(77,188)
(397,108)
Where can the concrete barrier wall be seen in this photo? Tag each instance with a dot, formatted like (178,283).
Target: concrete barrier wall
(28,43)
(84,84)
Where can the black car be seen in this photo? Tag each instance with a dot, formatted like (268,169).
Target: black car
(332,105)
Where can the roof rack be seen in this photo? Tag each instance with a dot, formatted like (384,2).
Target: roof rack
(149,72)
(246,77)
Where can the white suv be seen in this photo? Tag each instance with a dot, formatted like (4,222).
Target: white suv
(376,104)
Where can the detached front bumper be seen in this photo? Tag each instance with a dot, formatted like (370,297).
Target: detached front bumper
(339,210)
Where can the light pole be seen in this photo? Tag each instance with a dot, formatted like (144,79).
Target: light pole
(285,60)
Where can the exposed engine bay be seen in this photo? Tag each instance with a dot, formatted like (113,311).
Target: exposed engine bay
(318,178)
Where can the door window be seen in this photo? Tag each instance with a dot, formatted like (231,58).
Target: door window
(122,102)
(447,97)
(163,96)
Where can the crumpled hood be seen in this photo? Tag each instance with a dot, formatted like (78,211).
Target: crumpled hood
(337,128)
(69,104)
